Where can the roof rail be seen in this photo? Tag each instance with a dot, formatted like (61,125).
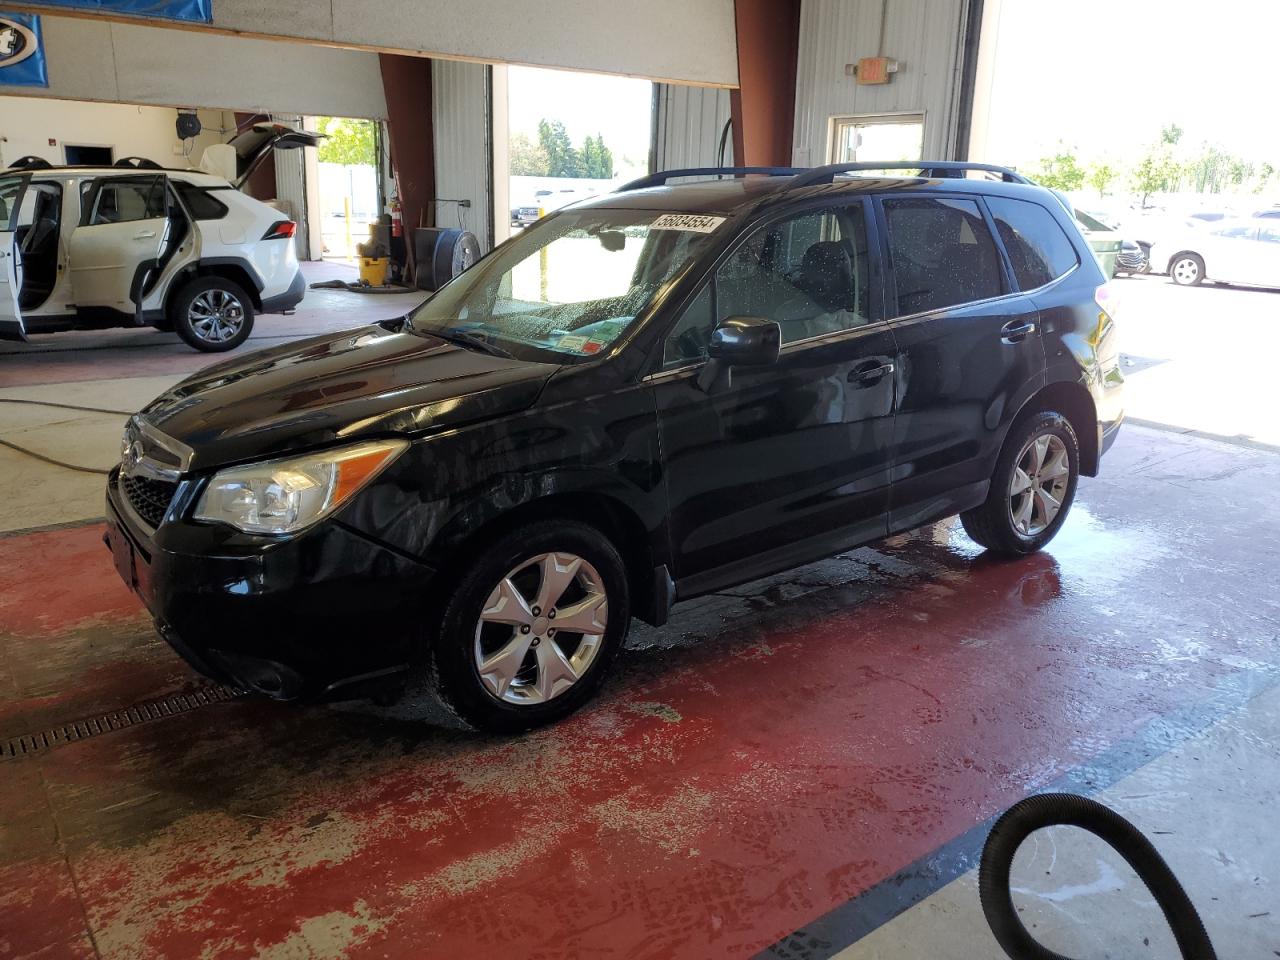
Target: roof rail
(928,168)
(660,179)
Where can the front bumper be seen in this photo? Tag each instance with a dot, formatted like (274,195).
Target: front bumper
(328,614)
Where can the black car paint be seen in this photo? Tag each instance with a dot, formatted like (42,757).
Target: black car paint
(793,462)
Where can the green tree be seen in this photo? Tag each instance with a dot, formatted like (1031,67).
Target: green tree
(527,159)
(1265,173)
(1062,171)
(1101,176)
(347,141)
(597,159)
(1170,135)
(1156,172)
(562,158)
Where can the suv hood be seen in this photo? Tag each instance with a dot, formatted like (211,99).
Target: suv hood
(373,381)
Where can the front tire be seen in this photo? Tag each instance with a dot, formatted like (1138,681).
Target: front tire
(1187,270)
(506,656)
(212,314)
(1032,489)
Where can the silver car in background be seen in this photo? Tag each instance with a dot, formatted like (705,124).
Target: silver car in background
(1233,251)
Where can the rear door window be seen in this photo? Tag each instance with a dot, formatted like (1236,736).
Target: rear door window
(126,200)
(942,254)
(1039,250)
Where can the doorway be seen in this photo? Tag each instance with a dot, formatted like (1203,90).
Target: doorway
(87,155)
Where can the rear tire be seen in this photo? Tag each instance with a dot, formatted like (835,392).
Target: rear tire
(212,314)
(1187,270)
(481,620)
(1039,465)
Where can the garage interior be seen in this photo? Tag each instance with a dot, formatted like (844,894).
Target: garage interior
(805,766)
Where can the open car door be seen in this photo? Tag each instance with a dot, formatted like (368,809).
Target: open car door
(124,227)
(11,193)
(251,147)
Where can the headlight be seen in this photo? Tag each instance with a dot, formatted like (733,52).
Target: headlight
(284,496)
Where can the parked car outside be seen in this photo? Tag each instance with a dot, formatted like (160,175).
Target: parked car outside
(1133,258)
(652,395)
(1103,240)
(1243,251)
(131,245)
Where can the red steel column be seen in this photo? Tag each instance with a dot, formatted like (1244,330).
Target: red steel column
(763,106)
(406,82)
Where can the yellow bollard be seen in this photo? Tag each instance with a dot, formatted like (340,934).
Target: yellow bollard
(346,216)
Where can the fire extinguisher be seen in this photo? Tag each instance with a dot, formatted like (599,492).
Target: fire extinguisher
(397,220)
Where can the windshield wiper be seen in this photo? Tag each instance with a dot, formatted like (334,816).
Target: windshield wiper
(466,338)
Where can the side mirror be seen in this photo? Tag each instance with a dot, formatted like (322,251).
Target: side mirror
(739,342)
(745,342)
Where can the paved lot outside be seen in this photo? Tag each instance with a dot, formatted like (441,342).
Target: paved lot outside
(1203,358)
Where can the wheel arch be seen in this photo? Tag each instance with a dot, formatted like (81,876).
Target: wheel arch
(1074,402)
(614,519)
(229,268)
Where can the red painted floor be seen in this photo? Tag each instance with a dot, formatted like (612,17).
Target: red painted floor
(770,754)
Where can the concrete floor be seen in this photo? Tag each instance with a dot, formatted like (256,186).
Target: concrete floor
(800,767)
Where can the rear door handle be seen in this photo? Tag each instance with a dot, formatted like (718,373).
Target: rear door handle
(1015,331)
(145,236)
(868,374)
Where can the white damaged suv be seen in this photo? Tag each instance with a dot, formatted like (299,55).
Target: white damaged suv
(134,244)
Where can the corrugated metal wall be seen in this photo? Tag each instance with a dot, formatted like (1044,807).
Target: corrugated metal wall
(925,36)
(291,186)
(464,167)
(688,122)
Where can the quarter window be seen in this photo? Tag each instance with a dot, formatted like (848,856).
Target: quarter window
(201,203)
(123,201)
(942,254)
(1038,248)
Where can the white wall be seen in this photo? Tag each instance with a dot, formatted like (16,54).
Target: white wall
(97,60)
(659,39)
(925,36)
(460,102)
(27,125)
(688,123)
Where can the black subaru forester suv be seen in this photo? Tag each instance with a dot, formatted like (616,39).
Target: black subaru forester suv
(642,398)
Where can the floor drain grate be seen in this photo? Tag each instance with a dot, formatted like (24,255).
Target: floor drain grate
(172,706)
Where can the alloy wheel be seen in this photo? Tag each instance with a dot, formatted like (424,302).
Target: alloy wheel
(541,628)
(1040,476)
(1186,271)
(216,315)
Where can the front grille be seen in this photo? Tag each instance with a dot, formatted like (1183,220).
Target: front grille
(149,498)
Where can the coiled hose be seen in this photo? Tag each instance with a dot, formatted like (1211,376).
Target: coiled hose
(1070,810)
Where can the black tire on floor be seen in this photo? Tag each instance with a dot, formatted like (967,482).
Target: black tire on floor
(991,524)
(451,668)
(218,287)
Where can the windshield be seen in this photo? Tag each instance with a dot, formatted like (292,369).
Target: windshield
(568,286)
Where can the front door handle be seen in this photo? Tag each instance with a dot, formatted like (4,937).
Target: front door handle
(1015,331)
(146,235)
(869,374)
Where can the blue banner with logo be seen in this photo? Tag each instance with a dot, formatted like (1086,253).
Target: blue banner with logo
(22,62)
(198,11)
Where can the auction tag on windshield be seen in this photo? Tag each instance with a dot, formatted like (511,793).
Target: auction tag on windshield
(574,343)
(695,222)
